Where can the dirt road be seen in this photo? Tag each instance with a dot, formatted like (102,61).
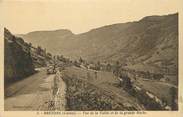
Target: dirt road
(32,93)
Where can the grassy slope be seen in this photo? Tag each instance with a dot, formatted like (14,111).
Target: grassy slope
(160,89)
(144,44)
(105,82)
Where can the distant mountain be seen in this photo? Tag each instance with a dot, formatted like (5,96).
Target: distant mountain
(48,39)
(152,41)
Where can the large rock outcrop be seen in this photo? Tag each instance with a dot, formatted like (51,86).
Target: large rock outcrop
(17,59)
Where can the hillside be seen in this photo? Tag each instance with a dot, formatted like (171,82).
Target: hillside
(18,63)
(21,58)
(149,44)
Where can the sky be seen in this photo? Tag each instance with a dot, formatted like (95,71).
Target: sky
(23,16)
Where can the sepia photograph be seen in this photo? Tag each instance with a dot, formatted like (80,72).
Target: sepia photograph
(90,55)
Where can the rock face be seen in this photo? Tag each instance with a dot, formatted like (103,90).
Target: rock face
(17,59)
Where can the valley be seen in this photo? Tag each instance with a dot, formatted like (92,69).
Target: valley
(124,66)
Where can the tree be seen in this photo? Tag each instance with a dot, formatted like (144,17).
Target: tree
(95,75)
(76,63)
(30,44)
(61,57)
(148,75)
(173,93)
(98,65)
(108,67)
(157,76)
(58,57)
(44,51)
(127,83)
(49,54)
(117,68)
(81,60)
(164,101)
(54,57)
(39,50)
(117,63)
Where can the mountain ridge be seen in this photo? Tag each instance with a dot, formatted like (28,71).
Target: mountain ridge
(147,17)
(151,41)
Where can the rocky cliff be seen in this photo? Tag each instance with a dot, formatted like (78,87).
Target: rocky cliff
(17,59)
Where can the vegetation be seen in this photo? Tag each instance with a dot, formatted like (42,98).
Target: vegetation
(174,97)
(18,62)
(83,96)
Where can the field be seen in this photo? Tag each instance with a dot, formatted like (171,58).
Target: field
(160,89)
(83,82)
(103,85)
